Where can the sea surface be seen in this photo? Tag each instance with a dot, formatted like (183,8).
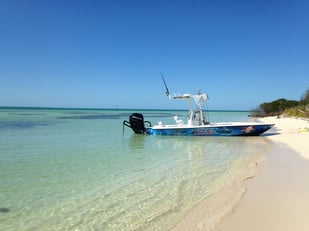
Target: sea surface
(78,169)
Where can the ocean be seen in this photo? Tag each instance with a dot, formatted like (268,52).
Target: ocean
(77,169)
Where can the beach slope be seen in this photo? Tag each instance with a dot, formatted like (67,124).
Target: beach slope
(278,198)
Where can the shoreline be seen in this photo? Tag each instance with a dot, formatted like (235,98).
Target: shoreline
(220,203)
(277,199)
(272,196)
(210,211)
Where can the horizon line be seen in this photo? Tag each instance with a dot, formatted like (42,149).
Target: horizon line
(112,108)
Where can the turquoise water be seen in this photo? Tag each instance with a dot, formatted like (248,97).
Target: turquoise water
(76,169)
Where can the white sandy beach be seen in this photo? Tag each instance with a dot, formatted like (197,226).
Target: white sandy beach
(278,198)
(292,133)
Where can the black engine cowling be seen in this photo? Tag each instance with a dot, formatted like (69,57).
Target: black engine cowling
(136,123)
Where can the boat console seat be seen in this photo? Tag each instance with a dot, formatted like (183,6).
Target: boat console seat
(178,122)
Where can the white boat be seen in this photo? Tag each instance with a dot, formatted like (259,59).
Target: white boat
(196,124)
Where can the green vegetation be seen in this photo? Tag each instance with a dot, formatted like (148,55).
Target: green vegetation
(285,107)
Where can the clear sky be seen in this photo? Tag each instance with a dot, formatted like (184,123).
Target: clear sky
(108,53)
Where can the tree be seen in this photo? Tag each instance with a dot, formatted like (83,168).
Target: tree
(278,106)
(304,100)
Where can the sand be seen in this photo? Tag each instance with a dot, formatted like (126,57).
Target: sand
(294,133)
(278,198)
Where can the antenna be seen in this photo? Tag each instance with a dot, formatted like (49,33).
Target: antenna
(167,91)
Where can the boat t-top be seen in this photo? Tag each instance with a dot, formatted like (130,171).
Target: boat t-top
(196,124)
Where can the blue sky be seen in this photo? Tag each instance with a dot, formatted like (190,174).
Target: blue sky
(110,53)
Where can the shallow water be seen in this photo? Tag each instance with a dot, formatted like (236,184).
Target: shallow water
(76,170)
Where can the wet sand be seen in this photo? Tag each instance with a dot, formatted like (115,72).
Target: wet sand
(278,198)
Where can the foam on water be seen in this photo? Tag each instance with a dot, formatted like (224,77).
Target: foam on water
(75,170)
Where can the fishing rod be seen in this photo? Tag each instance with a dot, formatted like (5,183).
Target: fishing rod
(166,88)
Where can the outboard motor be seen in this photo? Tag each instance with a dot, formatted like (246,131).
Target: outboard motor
(136,123)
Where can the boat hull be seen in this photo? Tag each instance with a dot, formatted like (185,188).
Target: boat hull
(210,130)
